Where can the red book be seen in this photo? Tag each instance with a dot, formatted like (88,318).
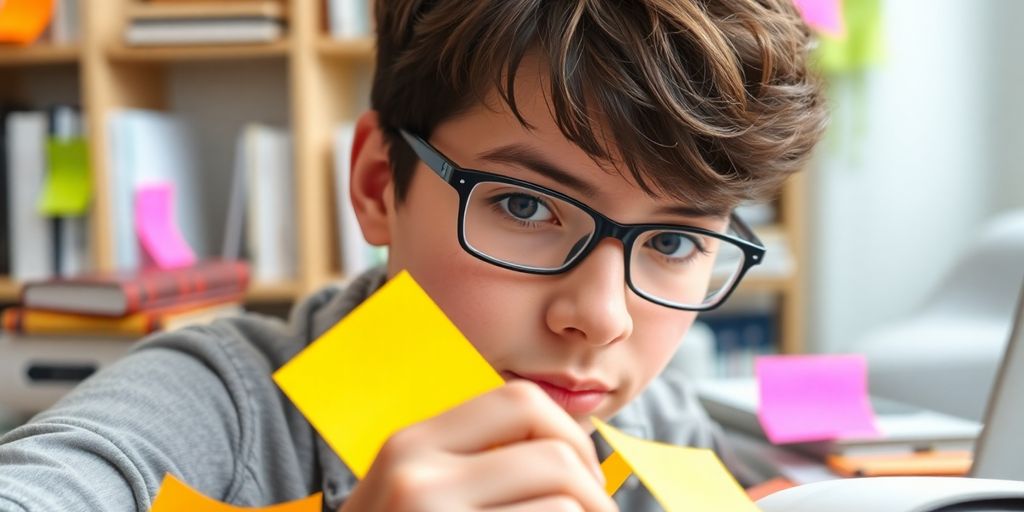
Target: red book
(126,293)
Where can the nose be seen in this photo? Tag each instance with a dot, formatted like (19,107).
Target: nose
(589,302)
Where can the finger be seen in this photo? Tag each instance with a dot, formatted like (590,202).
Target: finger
(545,504)
(518,411)
(531,470)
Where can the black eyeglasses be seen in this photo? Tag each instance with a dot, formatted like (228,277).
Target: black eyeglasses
(525,227)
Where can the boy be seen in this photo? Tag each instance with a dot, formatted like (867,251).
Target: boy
(613,138)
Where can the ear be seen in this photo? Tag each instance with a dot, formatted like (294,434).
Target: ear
(371,188)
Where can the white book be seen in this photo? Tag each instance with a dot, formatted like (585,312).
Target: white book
(356,254)
(64,25)
(152,147)
(349,19)
(204,31)
(271,206)
(31,233)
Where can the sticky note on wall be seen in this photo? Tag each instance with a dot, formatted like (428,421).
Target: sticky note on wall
(68,186)
(823,15)
(814,398)
(175,496)
(394,361)
(155,223)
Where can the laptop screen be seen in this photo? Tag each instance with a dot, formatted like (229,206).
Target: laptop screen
(1000,449)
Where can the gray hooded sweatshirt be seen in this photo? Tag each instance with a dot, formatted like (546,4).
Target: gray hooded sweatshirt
(200,403)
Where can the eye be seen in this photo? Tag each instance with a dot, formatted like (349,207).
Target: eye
(673,245)
(524,207)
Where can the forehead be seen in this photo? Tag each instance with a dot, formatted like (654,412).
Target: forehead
(488,136)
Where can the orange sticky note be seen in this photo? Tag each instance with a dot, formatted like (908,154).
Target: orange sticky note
(393,361)
(23,21)
(175,496)
(615,471)
(681,479)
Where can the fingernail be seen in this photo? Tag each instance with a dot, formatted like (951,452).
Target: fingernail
(596,468)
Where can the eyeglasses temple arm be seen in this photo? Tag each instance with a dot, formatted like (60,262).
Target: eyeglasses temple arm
(430,156)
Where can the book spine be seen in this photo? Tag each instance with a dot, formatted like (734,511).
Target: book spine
(32,322)
(164,289)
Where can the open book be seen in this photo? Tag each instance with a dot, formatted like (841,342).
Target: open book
(899,494)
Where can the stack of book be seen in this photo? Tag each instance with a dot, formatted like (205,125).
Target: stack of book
(130,305)
(66,329)
(191,22)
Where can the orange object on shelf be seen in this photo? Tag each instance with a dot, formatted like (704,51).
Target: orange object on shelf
(930,463)
(23,21)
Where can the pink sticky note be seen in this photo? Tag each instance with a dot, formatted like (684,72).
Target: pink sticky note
(814,398)
(823,15)
(159,236)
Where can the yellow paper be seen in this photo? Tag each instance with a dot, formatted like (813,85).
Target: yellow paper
(681,479)
(393,361)
(615,471)
(67,189)
(175,496)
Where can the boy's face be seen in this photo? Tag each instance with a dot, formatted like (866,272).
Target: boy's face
(588,340)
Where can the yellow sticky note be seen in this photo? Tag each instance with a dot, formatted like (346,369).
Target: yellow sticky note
(681,479)
(393,361)
(68,188)
(175,496)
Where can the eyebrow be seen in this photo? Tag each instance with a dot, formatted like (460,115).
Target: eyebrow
(525,156)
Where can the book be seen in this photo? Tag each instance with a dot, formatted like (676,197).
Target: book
(206,9)
(149,147)
(64,27)
(5,225)
(123,293)
(23,321)
(270,186)
(349,19)
(31,234)
(70,238)
(203,31)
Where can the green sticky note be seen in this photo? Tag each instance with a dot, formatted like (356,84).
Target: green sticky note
(68,187)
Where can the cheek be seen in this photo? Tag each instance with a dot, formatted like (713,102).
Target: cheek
(655,340)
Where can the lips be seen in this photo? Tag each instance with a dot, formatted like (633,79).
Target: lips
(576,396)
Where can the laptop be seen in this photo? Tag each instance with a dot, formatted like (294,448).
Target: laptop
(999,452)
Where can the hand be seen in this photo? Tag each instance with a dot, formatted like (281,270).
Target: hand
(510,450)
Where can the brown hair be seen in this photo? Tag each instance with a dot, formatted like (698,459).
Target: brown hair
(715,95)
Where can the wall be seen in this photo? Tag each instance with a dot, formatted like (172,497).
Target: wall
(896,198)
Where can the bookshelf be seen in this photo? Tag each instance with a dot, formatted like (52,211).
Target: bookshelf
(324,82)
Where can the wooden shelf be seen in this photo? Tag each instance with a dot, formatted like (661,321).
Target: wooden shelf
(273,292)
(122,53)
(9,290)
(353,49)
(38,55)
(764,284)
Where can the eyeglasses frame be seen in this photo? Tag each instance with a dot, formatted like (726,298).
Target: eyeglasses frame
(463,180)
